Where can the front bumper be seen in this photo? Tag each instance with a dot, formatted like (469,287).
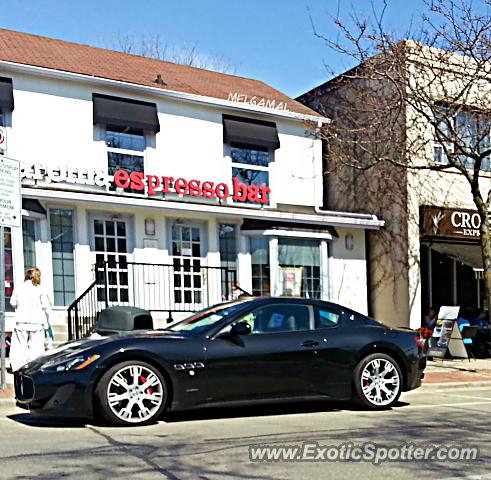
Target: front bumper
(62,395)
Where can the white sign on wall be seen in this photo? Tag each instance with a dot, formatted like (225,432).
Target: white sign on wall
(10,199)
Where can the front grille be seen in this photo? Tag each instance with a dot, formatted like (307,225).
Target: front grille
(24,388)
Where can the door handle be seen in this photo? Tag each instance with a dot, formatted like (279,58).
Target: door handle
(310,343)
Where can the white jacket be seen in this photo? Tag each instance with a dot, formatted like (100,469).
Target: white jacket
(31,305)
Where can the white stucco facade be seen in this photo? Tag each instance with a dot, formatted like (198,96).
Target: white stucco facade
(52,132)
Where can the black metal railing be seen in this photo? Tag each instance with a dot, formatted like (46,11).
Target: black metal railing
(183,286)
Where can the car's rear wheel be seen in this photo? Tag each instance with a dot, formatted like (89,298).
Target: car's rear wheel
(131,393)
(377,381)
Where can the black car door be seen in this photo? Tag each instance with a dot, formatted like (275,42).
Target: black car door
(273,361)
(335,336)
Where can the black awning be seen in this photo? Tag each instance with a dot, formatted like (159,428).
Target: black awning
(124,112)
(33,205)
(6,94)
(250,132)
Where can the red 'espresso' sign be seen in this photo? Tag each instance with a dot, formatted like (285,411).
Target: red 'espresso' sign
(240,192)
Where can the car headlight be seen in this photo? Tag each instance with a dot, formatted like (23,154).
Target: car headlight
(78,362)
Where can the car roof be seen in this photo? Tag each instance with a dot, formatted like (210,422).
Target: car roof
(302,300)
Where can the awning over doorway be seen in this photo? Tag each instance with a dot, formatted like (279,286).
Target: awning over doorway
(266,227)
(469,254)
(31,206)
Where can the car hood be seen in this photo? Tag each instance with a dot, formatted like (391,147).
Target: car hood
(79,346)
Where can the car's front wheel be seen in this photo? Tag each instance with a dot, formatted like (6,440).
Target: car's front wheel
(131,393)
(377,381)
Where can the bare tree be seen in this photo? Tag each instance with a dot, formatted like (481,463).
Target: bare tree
(413,109)
(153,46)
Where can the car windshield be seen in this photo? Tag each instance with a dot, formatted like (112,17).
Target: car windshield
(206,318)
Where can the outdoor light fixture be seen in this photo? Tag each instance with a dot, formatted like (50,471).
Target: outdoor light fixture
(349,241)
(150,227)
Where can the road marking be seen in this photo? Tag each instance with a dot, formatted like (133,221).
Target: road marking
(416,407)
(463,396)
(482,476)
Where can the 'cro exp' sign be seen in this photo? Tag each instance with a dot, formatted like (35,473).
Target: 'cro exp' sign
(448,222)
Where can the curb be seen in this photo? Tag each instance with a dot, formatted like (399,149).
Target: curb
(456,385)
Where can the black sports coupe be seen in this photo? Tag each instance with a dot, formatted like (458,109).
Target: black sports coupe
(256,350)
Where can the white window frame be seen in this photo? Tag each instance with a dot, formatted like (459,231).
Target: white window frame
(124,151)
(449,145)
(247,166)
(37,237)
(75,241)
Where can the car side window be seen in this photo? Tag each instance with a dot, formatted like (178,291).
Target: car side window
(327,318)
(278,318)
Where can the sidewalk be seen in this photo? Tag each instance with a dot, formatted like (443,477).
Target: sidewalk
(458,373)
(8,393)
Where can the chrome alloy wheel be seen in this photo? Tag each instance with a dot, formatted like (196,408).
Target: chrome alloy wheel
(134,393)
(380,382)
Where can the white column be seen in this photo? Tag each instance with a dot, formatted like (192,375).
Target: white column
(244,264)
(84,258)
(325,283)
(44,255)
(213,260)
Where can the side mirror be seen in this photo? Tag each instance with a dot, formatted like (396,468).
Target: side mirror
(240,328)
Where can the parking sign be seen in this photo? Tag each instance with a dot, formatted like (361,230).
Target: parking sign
(10,199)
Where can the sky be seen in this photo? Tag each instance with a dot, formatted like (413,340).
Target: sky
(270,40)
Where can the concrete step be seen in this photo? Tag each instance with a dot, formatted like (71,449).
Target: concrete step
(60,332)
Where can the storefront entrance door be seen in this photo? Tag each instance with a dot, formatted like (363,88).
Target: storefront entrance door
(111,247)
(186,250)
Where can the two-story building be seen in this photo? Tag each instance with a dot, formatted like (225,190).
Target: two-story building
(429,253)
(165,186)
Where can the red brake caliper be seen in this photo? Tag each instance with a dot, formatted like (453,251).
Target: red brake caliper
(143,380)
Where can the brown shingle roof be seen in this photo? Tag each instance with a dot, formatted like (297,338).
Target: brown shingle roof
(55,54)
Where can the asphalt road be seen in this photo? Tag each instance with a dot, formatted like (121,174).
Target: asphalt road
(214,444)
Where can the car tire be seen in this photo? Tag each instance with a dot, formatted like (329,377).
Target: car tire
(131,393)
(377,381)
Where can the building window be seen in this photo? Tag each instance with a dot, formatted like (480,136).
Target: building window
(125,150)
(250,164)
(228,245)
(472,132)
(61,231)
(227,237)
(29,242)
(303,253)
(111,246)
(9,268)
(186,251)
(260,266)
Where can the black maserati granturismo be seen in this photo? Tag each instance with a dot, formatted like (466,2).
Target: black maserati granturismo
(256,350)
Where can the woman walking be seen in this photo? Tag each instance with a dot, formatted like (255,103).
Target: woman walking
(31,305)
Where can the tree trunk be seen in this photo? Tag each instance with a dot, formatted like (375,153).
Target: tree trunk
(486,250)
